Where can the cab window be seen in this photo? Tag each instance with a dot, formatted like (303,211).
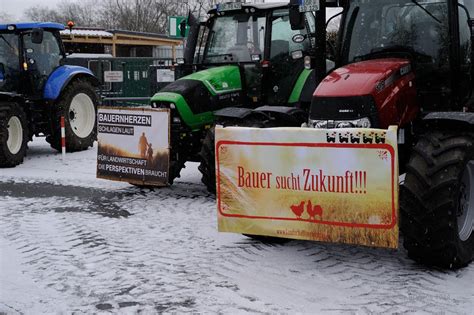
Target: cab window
(45,56)
(281,43)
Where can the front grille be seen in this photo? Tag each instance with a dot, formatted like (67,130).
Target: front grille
(344,108)
(194,92)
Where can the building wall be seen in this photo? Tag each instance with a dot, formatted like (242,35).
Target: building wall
(167,52)
(85,48)
(125,51)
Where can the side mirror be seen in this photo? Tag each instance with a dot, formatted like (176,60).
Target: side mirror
(37,35)
(296,17)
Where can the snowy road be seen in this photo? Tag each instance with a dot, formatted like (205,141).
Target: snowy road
(73,243)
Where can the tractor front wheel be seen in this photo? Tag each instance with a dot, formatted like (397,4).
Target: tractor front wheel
(78,106)
(207,167)
(13,134)
(437,200)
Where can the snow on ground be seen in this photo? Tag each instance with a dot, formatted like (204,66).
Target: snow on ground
(71,243)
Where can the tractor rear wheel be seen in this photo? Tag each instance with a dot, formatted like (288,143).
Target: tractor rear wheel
(78,105)
(437,200)
(13,134)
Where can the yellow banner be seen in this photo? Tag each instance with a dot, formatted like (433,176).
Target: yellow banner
(338,185)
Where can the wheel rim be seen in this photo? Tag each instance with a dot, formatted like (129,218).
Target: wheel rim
(15,135)
(466,203)
(82,115)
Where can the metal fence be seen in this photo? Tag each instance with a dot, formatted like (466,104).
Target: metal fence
(128,81)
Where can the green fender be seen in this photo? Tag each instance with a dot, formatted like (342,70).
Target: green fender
(298,88)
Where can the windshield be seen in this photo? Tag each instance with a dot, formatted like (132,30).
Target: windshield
(9,62)
(235,38)
(381,25)
(9,50)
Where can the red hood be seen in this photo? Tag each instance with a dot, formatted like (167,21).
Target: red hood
(359,78)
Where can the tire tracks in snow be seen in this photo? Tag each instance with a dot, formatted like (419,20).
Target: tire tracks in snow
(158,251)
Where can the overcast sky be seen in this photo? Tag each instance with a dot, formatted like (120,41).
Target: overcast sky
(15,8)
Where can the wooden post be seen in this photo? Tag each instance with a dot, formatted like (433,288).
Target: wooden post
(174,52)
(114,48)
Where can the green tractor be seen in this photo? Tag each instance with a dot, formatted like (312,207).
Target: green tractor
(245,63)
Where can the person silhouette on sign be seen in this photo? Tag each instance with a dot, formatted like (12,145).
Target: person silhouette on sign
(150,154)
(143,145)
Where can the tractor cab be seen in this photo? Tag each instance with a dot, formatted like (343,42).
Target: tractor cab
(258,39)
(29,53)
(434,35)
(396,58)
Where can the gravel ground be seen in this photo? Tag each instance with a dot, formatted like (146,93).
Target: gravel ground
(70,243)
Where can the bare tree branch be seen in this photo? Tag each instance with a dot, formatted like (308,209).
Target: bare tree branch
(138,15)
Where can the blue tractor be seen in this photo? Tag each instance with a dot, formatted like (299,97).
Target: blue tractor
(37,88)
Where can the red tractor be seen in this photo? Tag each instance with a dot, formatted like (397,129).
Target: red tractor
(410,63)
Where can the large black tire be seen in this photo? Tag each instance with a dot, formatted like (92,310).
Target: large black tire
(207,167)
(78,104)
(175,170)
(13,134)
(434,199)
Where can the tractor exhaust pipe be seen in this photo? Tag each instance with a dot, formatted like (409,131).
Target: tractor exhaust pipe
(320,68)
(192,39)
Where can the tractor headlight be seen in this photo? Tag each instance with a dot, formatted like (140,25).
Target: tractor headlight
(345,124)
(321,124)
(163,105)
(364,123)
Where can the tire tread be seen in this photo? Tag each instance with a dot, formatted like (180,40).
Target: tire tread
(429,197)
